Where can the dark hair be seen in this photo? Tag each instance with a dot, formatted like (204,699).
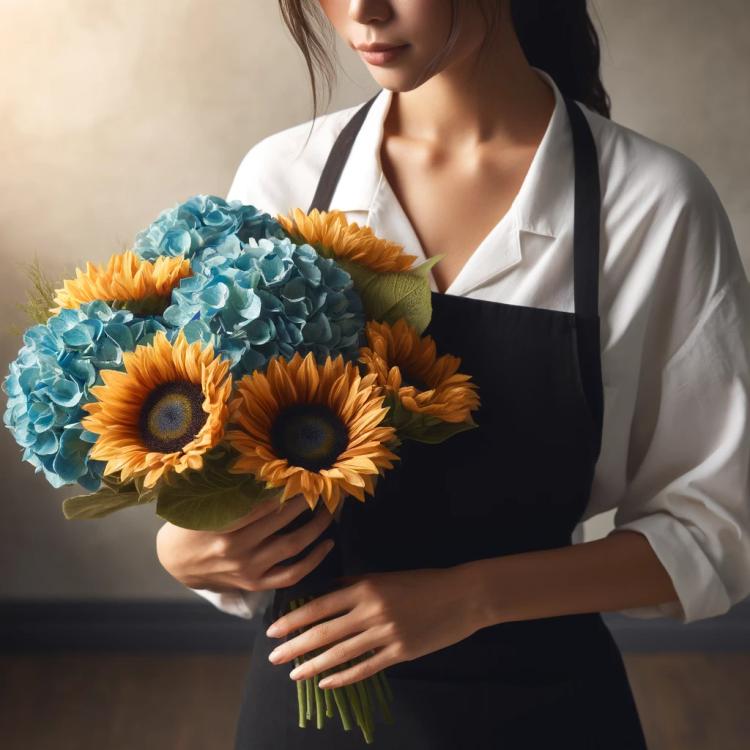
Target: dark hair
(556,36)
(559,37)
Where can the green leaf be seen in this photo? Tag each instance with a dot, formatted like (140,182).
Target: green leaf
(438,432)
(146,495)
(423,428)
(209,501)
(113,495)
(423,268)
(116,484)
(98,504)
(388,296)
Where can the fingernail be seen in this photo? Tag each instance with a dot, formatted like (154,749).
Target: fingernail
(273,630)
(294,673)
(274,655)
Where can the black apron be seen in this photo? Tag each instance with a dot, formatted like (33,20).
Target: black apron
(519,481)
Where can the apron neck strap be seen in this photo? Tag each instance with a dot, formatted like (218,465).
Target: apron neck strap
(586,226)
(337,157)
(587,209)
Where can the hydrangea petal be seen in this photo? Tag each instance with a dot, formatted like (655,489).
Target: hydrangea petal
(49,381)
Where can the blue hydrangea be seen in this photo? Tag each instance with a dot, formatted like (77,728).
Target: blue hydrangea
(268,297)
(203,222)
(50,379)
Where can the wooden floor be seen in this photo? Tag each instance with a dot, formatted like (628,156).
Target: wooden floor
(92,701)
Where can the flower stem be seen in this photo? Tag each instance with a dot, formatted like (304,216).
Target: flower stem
(382,700)
(359,694)
(309,696)
(300,693)
(339,696)
(386,686)
(301,720)
(318,691)
(353,695)
(318,702)
(328,698)
(365,702)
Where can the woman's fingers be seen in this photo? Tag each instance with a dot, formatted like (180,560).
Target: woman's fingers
(382,658)
(263,508)
(286,545)
(338,654)
(322,607)
(256,550)
(280,517)
(271,516)
(281,576)
(330,631)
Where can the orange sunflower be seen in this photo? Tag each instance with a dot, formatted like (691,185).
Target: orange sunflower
(313,429)
(127,281)
(163,413)
(330,232)
(406,365)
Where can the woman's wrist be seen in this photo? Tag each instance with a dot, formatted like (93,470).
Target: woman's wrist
(470,582)
(618,572)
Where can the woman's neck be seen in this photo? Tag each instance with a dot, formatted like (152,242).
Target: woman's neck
(499,100)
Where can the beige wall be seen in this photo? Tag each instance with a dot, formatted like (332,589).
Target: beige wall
(111,110)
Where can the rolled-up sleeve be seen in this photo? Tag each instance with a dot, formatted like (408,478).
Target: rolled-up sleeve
(688,489)
(238,602)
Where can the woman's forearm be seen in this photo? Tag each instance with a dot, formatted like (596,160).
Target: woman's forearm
(617,572)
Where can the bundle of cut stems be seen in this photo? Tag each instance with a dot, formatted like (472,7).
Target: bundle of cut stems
(358,699)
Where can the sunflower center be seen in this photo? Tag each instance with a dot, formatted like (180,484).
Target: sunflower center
(172,416)
(309,435)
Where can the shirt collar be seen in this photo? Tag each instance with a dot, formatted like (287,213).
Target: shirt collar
(543,205)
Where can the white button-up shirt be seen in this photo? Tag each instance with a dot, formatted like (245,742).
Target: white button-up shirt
(675,326)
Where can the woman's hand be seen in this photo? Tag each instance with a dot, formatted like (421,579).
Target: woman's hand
(246,554)
(401,615)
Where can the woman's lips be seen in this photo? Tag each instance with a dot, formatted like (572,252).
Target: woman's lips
(381,57)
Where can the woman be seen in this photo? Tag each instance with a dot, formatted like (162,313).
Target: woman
(592,287)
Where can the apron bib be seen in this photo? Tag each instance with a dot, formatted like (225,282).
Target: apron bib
(520,481)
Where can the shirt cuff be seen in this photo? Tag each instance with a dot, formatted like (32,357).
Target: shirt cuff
(240,603)
(700,591)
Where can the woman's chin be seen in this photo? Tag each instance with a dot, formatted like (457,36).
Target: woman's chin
(395,79)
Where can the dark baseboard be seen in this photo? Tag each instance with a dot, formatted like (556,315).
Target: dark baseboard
(34,626)
(110,625)
(728,632)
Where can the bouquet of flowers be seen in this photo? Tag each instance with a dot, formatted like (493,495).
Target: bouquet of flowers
(230,356)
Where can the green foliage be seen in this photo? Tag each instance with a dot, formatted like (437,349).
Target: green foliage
(41,296)
(205,500)
(212,498)
(194,501)
(388,296)
(98,504)
(113,495)
(423,428)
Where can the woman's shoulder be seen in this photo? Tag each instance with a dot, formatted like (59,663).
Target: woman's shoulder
(637,168)
(667,238)
(659,207)
(282,169)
